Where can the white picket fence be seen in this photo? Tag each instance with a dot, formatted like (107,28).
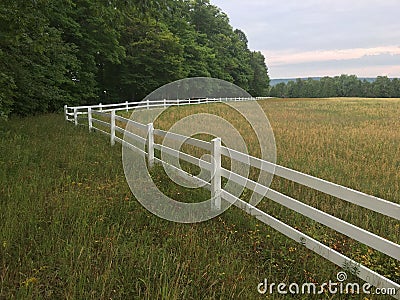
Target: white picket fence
(215,149)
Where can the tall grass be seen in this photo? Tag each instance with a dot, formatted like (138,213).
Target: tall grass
(72,230)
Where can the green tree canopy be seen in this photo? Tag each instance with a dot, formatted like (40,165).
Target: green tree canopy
(56,52)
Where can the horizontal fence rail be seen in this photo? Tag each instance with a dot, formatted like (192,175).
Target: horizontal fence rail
(75,111)
(373,203)
(145,143)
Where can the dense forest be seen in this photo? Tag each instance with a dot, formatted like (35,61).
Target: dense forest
(339,86)
(56,52)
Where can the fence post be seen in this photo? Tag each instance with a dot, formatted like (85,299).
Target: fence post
(150,144)
(165,103)
(90,119)
(147,104)
(112,128)
(126,106)
(100,107)
(66,112)
(216,174)
(75,116)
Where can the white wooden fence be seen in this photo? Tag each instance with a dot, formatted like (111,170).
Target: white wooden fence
(76,111)
(214,147)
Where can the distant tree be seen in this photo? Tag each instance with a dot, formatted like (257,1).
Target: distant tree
(279,90)
(295,89)
(395,87)
(311,88)
(327,87)
(339,86)
(367,89)
(259,82)
(382,87)
(348,86)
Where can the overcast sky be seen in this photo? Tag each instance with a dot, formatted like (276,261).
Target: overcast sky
(302,38)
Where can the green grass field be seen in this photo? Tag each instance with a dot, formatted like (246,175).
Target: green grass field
(71,229)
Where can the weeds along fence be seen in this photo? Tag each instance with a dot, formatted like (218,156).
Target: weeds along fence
(103,118)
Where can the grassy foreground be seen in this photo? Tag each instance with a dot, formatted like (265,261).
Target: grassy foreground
(70,228)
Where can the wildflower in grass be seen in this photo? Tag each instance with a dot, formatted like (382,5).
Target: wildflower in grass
(30,281)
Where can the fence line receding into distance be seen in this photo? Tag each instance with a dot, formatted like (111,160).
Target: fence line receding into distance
(91,115)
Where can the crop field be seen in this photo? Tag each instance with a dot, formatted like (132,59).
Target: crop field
(71,229)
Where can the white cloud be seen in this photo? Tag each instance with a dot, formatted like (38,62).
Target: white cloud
(374,63)
(370,71)
(314,37)
(285,57)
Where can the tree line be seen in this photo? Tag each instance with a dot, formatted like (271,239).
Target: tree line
(339,86)
(56,52)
